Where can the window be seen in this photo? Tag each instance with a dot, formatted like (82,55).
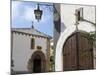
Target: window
(39,47)
(32,43)
(79,14)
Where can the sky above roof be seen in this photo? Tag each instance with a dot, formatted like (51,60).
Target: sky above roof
(23,15)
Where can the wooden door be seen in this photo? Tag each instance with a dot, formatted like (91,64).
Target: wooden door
(77,53)
(85,52)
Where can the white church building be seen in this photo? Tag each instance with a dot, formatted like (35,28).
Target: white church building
(30,50)
(72,25)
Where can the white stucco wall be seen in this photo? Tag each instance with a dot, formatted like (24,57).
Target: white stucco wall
(68,15)
(68,27)
(22,50)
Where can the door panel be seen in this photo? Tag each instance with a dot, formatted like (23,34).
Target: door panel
(85,53)
(69,56)
(77,53)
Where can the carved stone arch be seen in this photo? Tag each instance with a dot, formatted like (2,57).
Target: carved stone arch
(37,55)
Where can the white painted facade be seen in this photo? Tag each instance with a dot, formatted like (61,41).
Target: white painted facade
(68,16)
(68,20)
(22,52)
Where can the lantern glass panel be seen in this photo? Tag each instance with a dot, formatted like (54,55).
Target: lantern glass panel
(38,14)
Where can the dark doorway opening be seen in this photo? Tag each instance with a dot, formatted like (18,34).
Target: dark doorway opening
(37,64)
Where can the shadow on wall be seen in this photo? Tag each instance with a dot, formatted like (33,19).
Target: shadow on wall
(63,27)
(58,29)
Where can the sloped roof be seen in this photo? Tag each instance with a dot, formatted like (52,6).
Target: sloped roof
(30,31)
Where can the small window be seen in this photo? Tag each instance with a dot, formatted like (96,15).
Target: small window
(32,43)
(79,14)
(39,47)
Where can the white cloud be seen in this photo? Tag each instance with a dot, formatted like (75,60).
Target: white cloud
(28,14)
(15,6)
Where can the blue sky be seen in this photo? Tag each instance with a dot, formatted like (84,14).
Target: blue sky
(23,15)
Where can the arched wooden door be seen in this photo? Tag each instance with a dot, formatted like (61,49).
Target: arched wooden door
(77,52)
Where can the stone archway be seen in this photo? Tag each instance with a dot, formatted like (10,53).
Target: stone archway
(59,47)
(37,63)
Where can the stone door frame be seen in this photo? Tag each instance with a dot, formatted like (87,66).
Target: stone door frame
(43,61)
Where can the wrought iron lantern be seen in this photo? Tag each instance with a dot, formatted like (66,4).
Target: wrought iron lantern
(38,13)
